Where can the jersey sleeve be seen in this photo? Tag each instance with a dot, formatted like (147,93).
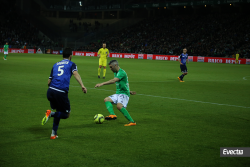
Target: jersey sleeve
(108,53)
(51,74)
(73,67)
(99,51)
(120,75)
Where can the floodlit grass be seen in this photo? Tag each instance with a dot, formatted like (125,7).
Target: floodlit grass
(178,124)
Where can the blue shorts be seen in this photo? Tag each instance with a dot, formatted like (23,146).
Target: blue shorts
(183,68)
(58,100)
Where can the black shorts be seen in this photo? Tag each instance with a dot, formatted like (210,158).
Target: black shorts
(58,100)
(183,68)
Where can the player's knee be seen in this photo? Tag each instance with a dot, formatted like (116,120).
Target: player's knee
(106,99)
(119,106)
(100,66)
(104,67)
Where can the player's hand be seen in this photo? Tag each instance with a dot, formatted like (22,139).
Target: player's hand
(132,92)
(84,89)
(98,85)
(181,64)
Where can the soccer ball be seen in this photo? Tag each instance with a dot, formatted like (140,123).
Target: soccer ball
(98,118)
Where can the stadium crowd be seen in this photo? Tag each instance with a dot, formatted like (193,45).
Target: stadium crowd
(18,32)
(219,35)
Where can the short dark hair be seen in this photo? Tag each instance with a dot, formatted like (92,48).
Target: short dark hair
(67,52)
(113,62)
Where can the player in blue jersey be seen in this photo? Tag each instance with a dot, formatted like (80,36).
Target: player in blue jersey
(183,59)
(57,93)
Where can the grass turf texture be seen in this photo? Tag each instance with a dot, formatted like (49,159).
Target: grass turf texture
(170,131)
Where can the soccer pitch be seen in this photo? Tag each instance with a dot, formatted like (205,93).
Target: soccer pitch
(178,124)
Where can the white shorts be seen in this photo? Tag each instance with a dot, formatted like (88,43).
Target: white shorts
(5,52)
(120,98)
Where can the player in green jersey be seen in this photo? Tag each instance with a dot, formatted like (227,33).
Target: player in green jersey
(121,97)
(5,49)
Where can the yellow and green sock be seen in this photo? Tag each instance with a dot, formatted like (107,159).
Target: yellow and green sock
(99,71)
(109,106)
(126,114)
(104,72)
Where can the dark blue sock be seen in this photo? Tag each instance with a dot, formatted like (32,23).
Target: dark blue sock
(57,117)
(181,77)
(55,125)
(60,114)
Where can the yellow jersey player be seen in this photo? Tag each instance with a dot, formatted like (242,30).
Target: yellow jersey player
(237,58)
(103,54)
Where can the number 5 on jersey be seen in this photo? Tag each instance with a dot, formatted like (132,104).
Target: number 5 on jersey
(60,69)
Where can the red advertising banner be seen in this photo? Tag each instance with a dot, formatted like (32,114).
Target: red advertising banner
(166,57)
(247,61)
(116,55)
(15,50)
(12,50)
(57,52)
(80,53)
(31,51)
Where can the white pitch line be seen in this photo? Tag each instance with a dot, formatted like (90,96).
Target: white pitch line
(174,98)
(177,81)
(189,81)
(245,77)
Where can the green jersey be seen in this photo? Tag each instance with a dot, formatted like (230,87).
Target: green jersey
(5,47)
(122,86)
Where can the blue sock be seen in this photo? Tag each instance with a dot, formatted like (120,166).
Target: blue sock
(57,117)
(55,125)
(182,76)
(59,114)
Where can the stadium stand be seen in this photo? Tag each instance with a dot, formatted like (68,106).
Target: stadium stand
(219,35)
(18,32)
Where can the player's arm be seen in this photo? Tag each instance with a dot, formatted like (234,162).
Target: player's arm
(79,80)
(180,59)
(49,81)
(98,53)
(107,83)
(187,60)
(107,54)
(50,77)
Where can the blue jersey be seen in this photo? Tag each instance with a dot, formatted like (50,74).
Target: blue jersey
(183,58)
(60,75)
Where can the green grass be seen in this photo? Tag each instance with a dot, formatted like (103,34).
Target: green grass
(175,127)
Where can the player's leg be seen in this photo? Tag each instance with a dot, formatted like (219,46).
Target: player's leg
(100,67)
(5,55)
(182,75)
(48,113)
(108,102)
(184,72)
(122,103)
(63,112)
(104,67)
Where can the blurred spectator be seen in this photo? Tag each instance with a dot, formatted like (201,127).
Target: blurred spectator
(217,35)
